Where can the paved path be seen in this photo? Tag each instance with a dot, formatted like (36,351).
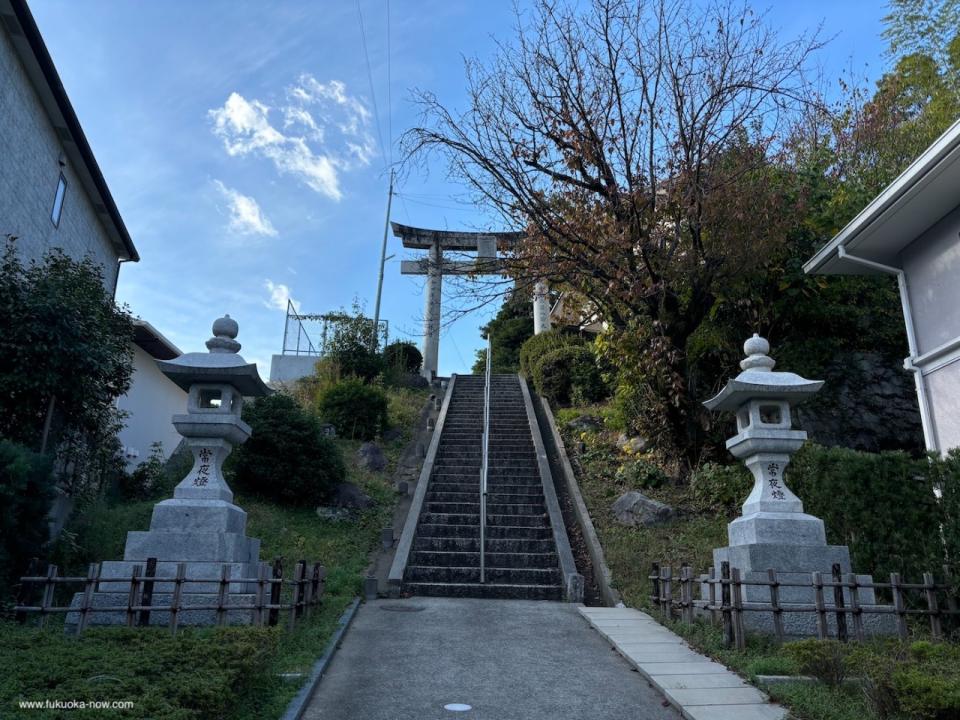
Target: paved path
(701,688)
(507,659)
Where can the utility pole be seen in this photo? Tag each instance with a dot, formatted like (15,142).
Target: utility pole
(383,261)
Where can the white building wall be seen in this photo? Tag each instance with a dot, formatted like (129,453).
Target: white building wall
(29,172)
(932,267)
(151,403)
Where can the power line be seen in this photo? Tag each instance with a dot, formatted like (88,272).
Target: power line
(373,94)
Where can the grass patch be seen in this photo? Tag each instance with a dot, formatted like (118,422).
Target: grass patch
(209,673)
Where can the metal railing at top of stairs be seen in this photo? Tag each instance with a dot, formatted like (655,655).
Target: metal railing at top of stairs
(485,463)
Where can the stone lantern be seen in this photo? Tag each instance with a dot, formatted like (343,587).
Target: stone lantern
(765,441)
(199,526)
(773,531)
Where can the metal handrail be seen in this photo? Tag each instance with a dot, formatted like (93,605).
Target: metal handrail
(484,464)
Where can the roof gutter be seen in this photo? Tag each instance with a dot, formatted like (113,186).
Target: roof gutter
(926,415)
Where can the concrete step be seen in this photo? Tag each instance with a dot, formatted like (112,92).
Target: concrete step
(487,590)
(493,508)
(513,576)
(445,558)
(494,532)
(472,545)
(473,496)
(474,487)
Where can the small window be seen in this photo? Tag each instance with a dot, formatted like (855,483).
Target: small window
(770,414)
(58,201)
(210,399)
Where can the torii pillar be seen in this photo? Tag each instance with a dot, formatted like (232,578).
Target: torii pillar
(435,267)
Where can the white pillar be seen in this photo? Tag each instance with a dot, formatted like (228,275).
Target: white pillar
(431,313)
(541,307)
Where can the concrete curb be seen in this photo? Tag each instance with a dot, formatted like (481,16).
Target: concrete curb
(572,580)
(402,556)
(298,705)
(601,571)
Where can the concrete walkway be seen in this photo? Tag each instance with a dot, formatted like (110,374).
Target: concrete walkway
(506,659)
(699,687)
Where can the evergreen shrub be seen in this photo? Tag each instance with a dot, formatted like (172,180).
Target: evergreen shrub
(356,410)
(641,474)
(568,374)
(26,491)
(286,459)
(721,488)
(538,345)
(402,355)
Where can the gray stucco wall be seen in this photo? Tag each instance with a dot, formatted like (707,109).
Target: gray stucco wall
(29,171)
(288,368)
(932,266)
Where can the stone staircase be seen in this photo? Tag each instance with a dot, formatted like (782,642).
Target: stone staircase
(521,555)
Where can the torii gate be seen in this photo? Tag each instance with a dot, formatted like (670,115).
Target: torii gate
(435,267)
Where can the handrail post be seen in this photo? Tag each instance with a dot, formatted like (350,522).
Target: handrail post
(484,463)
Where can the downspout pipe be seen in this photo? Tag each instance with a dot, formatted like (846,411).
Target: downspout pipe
(926,416)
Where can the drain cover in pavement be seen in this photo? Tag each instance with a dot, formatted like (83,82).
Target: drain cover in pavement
(402,608)
(457,707)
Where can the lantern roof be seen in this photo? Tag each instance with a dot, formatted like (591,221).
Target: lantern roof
(758,381)
(221,365)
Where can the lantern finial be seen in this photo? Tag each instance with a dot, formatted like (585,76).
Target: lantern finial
(225,329)
(756,349)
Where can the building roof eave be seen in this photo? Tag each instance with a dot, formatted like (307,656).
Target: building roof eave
(918,198)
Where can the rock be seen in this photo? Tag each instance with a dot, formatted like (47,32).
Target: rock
(328,430)
(585,423)
(336,514)
(392,434)
(349,496)
(370,457)
(632,445)
(634,508)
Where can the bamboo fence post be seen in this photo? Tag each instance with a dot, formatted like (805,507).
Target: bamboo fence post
(132,595)
(261,582)
(308,590)
(177,593)
(686,594)
(23,595)
(48,589)
(898,605)
(822,628)
(838,603)
(304,583)
(775,604)
(951,595)
(712,595)
(147,598)
(655,578)
(295,599)
(317,583)
(222,595)
(276,587)
(93,577)
(667,588)
(322,584)
(738,631)
(933,607)
(855,610)
(725,603)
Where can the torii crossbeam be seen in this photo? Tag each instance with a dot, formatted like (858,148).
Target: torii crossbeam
(486,245)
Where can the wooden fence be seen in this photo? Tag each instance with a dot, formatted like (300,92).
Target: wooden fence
(725,603)
(304,592)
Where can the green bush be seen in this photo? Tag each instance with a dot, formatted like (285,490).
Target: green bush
(641,474)
(403,355)
(947,478)
(720,488)
(26,491)
(882,506)
(567,374)
(286,458)
(538,345)
(918,680)
(356,410)
(825,660)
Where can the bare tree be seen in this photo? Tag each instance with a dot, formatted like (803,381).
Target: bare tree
(642,147)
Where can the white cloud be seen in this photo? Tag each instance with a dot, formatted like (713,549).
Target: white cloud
(325,131)
(279,295)
(246,217)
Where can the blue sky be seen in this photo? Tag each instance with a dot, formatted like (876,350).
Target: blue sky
(239,140)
